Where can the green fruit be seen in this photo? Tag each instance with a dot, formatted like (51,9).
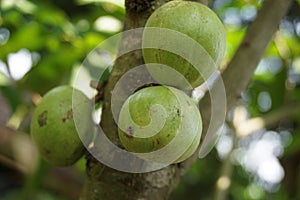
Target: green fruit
(194,20)
(154,116)
(53,126)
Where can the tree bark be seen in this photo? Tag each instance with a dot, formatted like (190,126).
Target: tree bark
(103,182)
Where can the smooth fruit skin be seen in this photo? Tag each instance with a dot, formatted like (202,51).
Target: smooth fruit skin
(53,126)
(140,106)
(194,20)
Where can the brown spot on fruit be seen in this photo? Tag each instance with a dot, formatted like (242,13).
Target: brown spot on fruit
(129,132)
(42,118)
(158,141)
(69,115)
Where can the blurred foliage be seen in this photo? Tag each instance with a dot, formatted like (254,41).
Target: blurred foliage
(55,36)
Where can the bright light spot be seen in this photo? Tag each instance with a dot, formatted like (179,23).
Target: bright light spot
(260,158)
(286,137)
(100,59)
(294,72)
(257,153)
(199,92)
(36,57)
(262,67)
(97,115)
(224,145)
(108,24)
(296,65)
(264,101)
(250,126)
(6,4)
(274,64)
(24,5)
(240,115)
(91,145)
(271,171)
(271,64)
(4,35)
(297,28)
(223,183)
(220,3)
(274,138)
(287,28)
(248,12)
(19,63)
(83,83)
(232,17)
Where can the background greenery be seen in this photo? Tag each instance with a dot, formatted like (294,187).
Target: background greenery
(42,43)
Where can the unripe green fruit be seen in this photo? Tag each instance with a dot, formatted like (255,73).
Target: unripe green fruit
(53,127)
(152,117)
(195,21)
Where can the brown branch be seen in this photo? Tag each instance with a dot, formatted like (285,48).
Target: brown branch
(268,120)
(242,66)
(112,184)
(7,136)
(239,71)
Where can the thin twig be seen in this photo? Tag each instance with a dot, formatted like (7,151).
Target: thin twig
(254,124)
(12,164)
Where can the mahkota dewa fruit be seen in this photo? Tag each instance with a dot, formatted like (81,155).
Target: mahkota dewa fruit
(153,117)
(59,124)
(195,21)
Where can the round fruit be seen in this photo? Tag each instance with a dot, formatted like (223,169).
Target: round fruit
(153,117)
(53,126)
(197,22)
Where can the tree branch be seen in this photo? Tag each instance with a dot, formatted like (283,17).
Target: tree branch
(239,71)
(106,183)
(254,124)
(242,66)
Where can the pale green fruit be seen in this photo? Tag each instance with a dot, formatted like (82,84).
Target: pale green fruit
(196,21)
(53,127)
(152,117)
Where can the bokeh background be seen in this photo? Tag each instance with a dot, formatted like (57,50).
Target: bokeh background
(42,44)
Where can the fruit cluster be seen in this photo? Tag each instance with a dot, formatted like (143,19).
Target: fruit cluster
(153,117)
(160,119)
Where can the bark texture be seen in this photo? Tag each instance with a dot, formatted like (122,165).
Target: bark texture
(105,183)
